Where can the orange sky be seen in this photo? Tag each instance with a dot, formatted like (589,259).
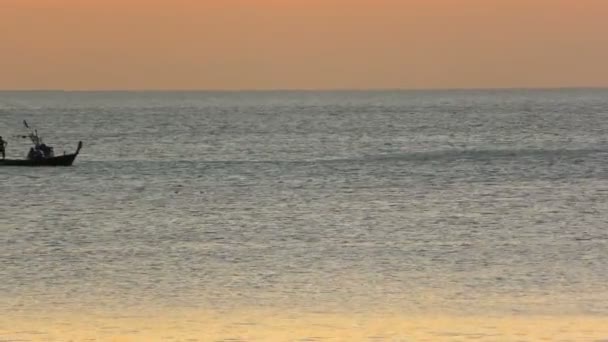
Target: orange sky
(270,44)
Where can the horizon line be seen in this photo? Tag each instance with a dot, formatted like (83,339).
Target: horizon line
(229,90)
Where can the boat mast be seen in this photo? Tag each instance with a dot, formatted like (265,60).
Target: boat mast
(33,135)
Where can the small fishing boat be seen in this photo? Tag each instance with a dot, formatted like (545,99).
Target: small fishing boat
(41,154)
(64,160)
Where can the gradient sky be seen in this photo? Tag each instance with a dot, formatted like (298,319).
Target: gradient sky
(302,44)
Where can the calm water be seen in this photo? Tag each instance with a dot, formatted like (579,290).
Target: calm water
(491,202)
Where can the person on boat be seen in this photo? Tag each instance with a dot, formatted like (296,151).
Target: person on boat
(35,154)
(3,147)
(46,150)
(38,155)
(31,154)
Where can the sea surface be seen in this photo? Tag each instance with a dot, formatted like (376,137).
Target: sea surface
(307,216)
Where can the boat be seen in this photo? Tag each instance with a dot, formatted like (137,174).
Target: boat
(41,154)
(64,160)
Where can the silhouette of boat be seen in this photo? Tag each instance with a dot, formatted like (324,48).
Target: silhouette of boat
(64,160)
(41,154)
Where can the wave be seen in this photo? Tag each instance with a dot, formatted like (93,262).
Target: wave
(479,155)
(482,155)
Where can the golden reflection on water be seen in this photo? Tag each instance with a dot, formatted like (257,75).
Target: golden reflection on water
(260,325)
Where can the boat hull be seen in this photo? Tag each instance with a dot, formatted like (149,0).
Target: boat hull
(66,160)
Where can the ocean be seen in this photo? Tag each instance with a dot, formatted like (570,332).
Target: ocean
(307,216)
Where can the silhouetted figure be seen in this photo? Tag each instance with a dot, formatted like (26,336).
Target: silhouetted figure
(47,151)
(31,154)
(3,147)
(35,154)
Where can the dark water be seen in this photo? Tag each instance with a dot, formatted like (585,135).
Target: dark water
(440,201)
